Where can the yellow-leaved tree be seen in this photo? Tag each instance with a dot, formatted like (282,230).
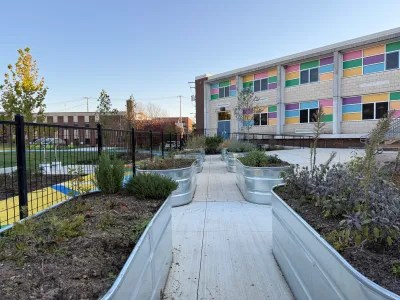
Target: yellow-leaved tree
(23,92)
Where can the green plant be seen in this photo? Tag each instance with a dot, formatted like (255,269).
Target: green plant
(240,146)
(196,142)
(165,163)
(138,229)
(150,186)
(107,221)
(260,159)
(396,268)
(213,144)
(109,174)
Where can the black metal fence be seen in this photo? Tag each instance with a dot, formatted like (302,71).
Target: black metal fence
(38,162)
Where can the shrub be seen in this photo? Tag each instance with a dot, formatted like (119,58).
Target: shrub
(109,174)
(150,186)
(165,163)
(196,142)
(260,159)
(240,146)
(213,144)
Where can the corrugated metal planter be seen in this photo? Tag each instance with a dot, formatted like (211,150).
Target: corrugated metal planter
(256,184)
(145,272)
(312,267)
(186,179)
(224,154)
(197,156)
(231,160)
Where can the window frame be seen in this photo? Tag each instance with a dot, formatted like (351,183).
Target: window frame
(374,103)
(385,61)
(309,75)
(309,115)
(261,89)
(260,118)
(225,89)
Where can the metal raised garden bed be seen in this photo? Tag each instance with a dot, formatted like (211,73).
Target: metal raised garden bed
(256,183)
(231,160)
(186,179)
(145,272)
(311,266)
(197,156)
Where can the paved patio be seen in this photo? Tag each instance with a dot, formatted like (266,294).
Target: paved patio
(222,244)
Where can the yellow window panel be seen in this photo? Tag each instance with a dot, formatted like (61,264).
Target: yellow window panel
(395,105)
(374,50)
(352,117)
(272,72)
(272,121)
(292,75)
(352,72)
(327,110)
(248,78)
(375,98)
(326,76)
(293,120)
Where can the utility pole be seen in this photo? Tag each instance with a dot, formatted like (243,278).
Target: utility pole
(180,114)
(87,103)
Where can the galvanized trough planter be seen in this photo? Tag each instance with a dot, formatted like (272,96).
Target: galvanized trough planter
(145,272)
(224,153)
(197,156)
(231,160)
(256,183)
(186,179)
(311,266)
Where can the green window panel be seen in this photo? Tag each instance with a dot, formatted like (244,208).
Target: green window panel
(272,108)
(272,79)
(393,46)
(395,96)
(292,82)
(327,118)
(224,83)
(309,65)
(248,84)
(352,63)
(214,97)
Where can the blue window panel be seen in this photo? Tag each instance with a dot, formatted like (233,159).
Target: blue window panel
(326,69)
(232,93)
(309,105)
(248,123)
(215,86)
(374,68)
(351,108)
(292,113)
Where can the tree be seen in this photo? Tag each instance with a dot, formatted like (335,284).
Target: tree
(23,92)
(246,107)
(104,109)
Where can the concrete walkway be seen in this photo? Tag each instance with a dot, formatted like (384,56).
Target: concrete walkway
(222,244)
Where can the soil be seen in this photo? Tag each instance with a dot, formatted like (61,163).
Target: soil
(35,181)
(74,251)
(263,165)
(165,164)
(375,265)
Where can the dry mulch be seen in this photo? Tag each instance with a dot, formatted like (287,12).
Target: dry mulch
(74,251)
(165,164)
(375,265)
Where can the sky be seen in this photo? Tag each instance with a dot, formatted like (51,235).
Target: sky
(152,49)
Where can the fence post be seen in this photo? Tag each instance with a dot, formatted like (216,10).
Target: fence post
(133,152)
(21,166)
(176,141)
(162,144)
(170,141)
(151,144)
(99,139)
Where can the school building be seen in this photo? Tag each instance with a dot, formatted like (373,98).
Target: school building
(355,83)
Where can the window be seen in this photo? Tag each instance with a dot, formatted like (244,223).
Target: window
(260,119)
(224,92)
(308,115)
(260,85)
(310,75)
(392,60)
(223,116)
(372,111)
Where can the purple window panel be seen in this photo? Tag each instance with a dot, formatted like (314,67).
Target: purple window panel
(352,100)
(272,86)
(272,115)
(374,59)
(326,61)
(233,87)
(292,106)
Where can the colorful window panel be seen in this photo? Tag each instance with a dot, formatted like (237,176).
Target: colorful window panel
(370,107)
(263,81)
(371,60)
(304,112)
(223,89)
(308,72)
(266,116)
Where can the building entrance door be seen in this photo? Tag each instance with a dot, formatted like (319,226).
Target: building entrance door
(224,124)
